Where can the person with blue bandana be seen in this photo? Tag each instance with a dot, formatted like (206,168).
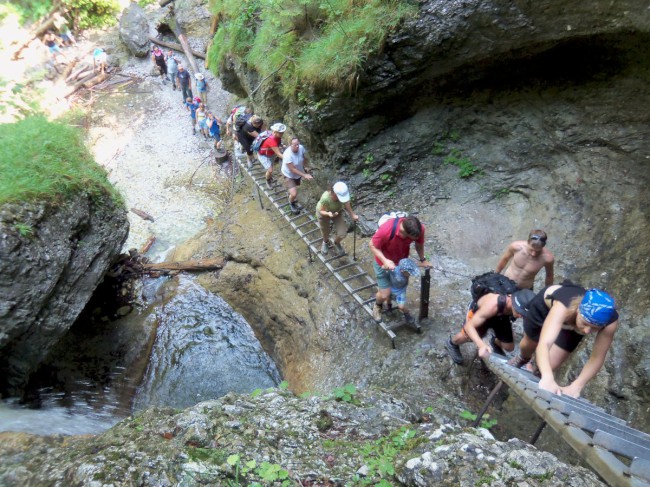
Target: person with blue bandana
(558,318)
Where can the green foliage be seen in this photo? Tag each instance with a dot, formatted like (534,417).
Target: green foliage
(24,230)
(366,172)
(266,471)
(206,455)
(318,42)
(369,159)
(379,455)
(41,160)
(84,13)
(456,158)
(284,385)
(345,394)
(144,3)
(502,193)
(486,421)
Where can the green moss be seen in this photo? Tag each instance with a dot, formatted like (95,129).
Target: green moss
(214,456)
(47,161)
(305,42)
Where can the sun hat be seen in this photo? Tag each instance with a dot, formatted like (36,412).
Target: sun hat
(521,299)
(278,127)
(598,308)
(342,192)
(397,278)
(199,76)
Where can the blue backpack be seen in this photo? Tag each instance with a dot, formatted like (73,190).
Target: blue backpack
(259,140)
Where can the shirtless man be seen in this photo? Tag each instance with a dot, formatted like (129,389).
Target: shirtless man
(526,260)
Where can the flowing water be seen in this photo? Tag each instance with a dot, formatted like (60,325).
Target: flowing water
(187,346)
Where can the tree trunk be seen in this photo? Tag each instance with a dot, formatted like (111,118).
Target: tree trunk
(175,47)
(87,82)
(188,265)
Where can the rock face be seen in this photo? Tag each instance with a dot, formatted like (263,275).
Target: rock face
(272,436)
(489,119)
(134,29)
(47,275)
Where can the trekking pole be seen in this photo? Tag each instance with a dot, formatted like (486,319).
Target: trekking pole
(425,285)
(354,241)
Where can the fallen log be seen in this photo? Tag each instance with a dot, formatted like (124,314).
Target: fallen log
(143,214)
(162,3)
(147,245)
(176,28)
(188,265)
(91,80)
(175,47)
(78,72)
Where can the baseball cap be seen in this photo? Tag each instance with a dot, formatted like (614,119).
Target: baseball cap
(278,127)
(521,299)
(342,192)
(598,308)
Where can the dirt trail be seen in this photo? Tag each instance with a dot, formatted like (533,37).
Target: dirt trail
(143,138)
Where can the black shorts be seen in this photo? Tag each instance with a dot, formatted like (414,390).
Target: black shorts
(501,325)
(567,339)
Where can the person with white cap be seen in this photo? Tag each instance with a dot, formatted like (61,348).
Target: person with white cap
(202,88)
(490,311)
(558,318)
(294,168)
(330,210)
(270,149)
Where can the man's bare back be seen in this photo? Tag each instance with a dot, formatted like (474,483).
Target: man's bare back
(526,259)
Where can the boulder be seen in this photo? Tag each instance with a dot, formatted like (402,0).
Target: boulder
(52,257)
(134,30)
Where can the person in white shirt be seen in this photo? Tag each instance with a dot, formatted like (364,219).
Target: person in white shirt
(294,168)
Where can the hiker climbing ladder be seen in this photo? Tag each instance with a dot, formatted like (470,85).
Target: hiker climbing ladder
(620,454)
(354,279)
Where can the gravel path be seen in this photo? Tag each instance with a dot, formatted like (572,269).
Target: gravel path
(145,141)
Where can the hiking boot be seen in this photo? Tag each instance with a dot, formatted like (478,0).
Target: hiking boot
(294,208)
(376,312)
(518,361)
(408,318)
(298,205)
(454,351)
(269,183)
(324,248)
(496,348)
(339,248)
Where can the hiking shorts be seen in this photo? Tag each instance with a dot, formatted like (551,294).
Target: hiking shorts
(340,227)
(203,124)
(266,161)
(501,325)
(398,295)
(383,276)
(567,339)
(291,182)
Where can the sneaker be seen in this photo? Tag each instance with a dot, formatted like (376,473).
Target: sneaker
(339,249)
(324,248)
(298,205)
(454,351)
(518,361)
(294,208)
(269,183)
(408,318)
(376,312)
(249,165)
(496,348)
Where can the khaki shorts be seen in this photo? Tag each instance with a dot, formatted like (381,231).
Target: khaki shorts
(340,227)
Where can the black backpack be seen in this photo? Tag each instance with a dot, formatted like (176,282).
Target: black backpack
(241,120)
(492,282)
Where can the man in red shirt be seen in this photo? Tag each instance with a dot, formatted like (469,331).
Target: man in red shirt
(390,244)
(269,149)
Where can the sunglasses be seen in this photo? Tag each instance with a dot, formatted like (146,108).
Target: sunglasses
(539,238)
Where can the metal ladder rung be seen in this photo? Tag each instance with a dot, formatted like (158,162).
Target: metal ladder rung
(369,300)
(345,266)
(333,258)
(312,242)
(303,224)
(278,192)
(356,276)
(297,217)
(284,197)
(367,286)
(310,231)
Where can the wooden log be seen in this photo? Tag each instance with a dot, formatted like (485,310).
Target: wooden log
(188,52)
(213,25)
(78,72)
(37,33)
(175,47)
(142,214)
(147,245)
(162,3)
(188,265)
(90,80)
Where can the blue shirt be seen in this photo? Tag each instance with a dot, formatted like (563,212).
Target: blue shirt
(192,106)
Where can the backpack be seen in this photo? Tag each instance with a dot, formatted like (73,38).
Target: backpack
(241,120)
(393,215)
(492,282)
(259,140)
(235,112)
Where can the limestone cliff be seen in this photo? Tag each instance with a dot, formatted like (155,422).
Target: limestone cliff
(52,257)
